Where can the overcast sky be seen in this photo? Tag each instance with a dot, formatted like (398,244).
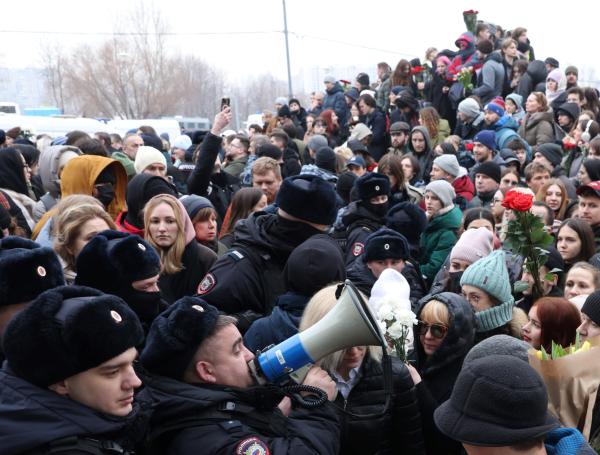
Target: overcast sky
(321,32)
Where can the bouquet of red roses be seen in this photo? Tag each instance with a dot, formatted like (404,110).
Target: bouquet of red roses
(470,18)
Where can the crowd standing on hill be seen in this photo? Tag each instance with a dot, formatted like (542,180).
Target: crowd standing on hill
(140,276)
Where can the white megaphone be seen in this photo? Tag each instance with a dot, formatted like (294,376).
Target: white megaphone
(349,323)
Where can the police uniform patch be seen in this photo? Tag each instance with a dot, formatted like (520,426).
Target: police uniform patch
(357,249)
(252,446)
(207,284)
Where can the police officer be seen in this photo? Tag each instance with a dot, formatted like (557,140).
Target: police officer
(124,265)
(364,216)
(68,383)
(26,270)
(248,279)
(385,249)
(205,397)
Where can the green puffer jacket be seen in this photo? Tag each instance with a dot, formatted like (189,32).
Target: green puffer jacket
(437,241)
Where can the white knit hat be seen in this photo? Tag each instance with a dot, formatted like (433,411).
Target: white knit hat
(146,156)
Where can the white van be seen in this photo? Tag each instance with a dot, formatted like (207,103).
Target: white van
(53,126)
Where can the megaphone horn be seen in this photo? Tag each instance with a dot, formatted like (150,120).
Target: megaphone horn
(349,323)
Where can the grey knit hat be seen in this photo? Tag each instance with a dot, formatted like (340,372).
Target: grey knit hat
(469,107)
(448,164)
(443,191)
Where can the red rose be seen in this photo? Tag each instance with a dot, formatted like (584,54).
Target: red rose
(518,201)
(471,12)
(469,146)
(417,69)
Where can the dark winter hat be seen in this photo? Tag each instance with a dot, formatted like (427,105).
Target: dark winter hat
(313,265)
(112,260)
(552,61)
(509,156)
(386,243)
(399,127)
(555,260)
(552,152)
(481,409)
(363,79)
(592,167)
(309,198)
(491,169)
(406,99)
(571,69)
(68,330)
(175,336)
(495,108)
(485,47)
(591,307)
(270,150)
(193,204)
(316,142)
(396,89)
(407,219)
(372,184)
(357,161)
(345,184)
(487,138)
(325,159)
(352,93)
(570,109)
(357,146)
(26,270)
(591,189)
(152,140)
(499,345)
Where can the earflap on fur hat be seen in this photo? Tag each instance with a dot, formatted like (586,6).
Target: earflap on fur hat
(26,270)
(308,198)
(176,334)
(68,330)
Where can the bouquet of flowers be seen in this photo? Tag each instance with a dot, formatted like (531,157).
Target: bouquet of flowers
(465,77)
(470,18)
(571,378)
(526,236)
(396,322)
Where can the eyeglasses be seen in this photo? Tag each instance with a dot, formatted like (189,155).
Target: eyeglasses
(438,331)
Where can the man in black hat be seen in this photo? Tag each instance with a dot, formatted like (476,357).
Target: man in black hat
(69,383)
(481,411)
(590,317)
(248,279)
(124,265)
(399,132)
(26,270)
(386,249)
(206,399)
(549,273)
(363,216)
(487,182)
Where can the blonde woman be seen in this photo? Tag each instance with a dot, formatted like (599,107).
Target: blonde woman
(184,262)
(78,218)
(358,374)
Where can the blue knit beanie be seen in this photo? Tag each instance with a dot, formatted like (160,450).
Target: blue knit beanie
(490,275)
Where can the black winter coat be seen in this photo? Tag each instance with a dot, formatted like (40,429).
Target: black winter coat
(377,123)
(281,324)
(359,223)
(218,187)
(180,406)
(363,279)
(197,260)
(398,431)
(533,80)
(439,371)
(248,279)
(31,418)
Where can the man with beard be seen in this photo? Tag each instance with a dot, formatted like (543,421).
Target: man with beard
(399,132)
(248,279)
(205,397)
(124,265)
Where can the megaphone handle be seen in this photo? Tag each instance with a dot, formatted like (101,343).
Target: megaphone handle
(299,375)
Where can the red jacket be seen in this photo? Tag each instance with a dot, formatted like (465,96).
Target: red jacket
(463,186)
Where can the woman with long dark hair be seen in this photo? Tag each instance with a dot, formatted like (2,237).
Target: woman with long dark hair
(245,202)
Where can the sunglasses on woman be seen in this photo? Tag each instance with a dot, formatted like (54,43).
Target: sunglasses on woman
(437,330)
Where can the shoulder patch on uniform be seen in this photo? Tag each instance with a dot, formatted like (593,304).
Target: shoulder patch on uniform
(207,284)
(235,255)
(357,249)
(252,446)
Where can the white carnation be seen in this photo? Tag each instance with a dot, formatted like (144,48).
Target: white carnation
(386,312)
(405,317)
(397,330)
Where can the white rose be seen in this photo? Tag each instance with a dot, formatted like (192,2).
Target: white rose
(386,312)
(405,317)
(397,330)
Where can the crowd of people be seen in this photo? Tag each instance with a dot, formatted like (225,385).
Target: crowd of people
(140,276)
